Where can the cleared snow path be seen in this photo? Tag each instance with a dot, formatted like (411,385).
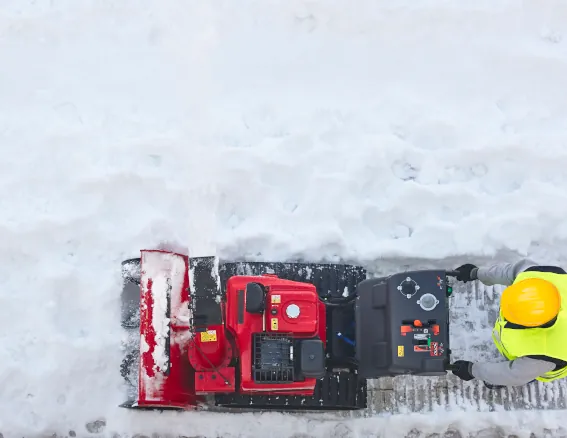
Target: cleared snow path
(396,135)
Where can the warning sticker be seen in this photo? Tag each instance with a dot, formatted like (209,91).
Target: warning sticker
(274,323)
(400,351)
(435,351)
(209,336)
(276,299)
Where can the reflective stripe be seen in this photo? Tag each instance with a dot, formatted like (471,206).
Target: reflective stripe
(497,338)
(552,375)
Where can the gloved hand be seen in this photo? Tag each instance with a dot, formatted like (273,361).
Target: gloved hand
(467,272)
(462,369)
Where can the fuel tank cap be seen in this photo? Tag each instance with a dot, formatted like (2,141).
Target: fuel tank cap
(428,302)
(292,311)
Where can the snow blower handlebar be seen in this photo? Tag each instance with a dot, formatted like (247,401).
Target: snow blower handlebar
(452,273)
(450,366)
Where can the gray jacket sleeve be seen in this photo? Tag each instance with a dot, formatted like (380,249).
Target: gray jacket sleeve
(511,373)
(503,273)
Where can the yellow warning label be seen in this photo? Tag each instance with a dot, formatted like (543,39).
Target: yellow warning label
(400,351)
(276,299)
(274,323)
(209,336)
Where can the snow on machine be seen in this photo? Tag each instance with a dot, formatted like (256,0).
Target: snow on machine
(286,336)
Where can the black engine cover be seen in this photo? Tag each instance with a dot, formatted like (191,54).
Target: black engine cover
(402,325)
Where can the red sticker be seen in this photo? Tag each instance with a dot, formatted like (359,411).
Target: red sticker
(435,349)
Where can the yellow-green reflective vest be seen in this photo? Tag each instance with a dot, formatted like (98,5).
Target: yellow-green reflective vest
(550,342)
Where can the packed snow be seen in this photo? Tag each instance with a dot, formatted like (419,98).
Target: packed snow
(162,277)
(395,135)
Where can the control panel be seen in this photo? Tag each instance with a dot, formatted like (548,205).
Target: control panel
(402,324)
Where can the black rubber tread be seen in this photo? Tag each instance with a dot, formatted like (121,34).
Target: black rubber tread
(130,363)
(331,280)
(131,270)
(335,391)
(130,297)
(204,288)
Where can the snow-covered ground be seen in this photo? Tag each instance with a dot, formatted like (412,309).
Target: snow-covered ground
(386,133)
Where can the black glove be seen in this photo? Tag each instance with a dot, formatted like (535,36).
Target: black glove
(462,369)
(467,272)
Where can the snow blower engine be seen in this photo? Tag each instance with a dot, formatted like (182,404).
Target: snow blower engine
(284,336)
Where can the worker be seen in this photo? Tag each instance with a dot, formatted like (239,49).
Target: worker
(531,328)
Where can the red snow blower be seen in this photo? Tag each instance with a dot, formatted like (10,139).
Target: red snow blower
(283,336)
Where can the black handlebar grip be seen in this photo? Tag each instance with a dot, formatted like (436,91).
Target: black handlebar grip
(451,273)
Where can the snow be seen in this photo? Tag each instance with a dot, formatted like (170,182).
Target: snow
(397,135)
(166,273)
(159,291)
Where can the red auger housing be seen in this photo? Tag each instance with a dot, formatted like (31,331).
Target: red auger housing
(286,336)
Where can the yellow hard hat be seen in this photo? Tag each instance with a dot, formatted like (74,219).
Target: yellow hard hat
(531,302)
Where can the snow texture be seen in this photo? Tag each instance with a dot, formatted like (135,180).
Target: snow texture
(166,273)
(160,289)
(395,134)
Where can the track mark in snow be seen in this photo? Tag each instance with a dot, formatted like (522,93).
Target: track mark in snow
(452,433)
(96,426)
(405,171)
(341,430)
(433,135)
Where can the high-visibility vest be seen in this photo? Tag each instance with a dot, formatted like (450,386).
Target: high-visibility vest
(513,341)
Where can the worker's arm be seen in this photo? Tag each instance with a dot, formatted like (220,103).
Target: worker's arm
(501,273)
(511,373)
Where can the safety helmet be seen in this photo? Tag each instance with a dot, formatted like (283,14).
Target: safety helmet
(532,302)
